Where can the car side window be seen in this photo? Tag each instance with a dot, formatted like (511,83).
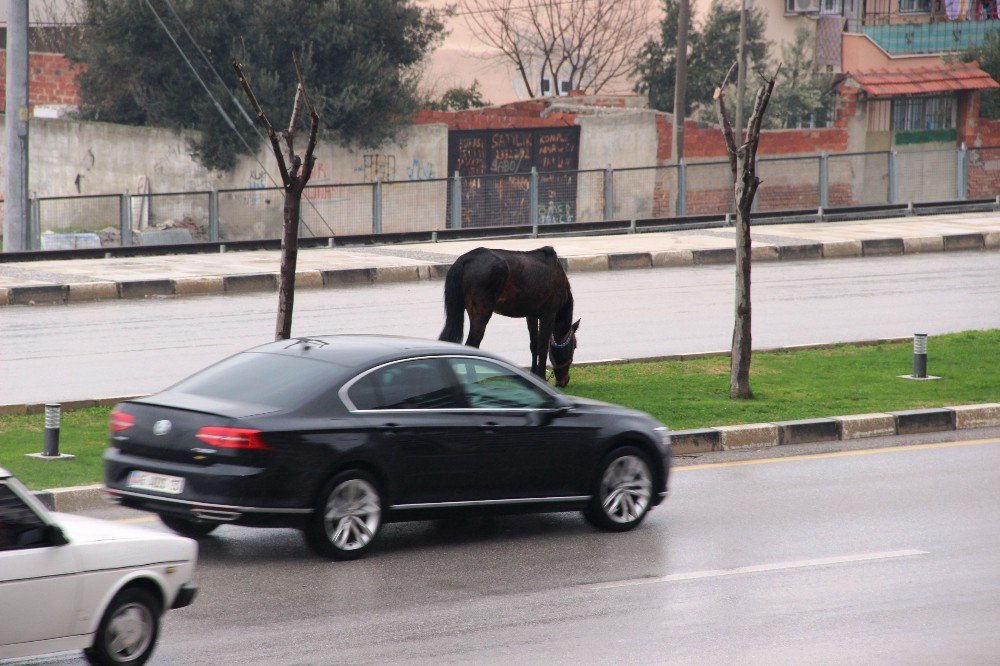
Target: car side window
(20,527)
(417,384)
(488,385)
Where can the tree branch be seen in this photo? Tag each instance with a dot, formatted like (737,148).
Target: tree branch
(271,134)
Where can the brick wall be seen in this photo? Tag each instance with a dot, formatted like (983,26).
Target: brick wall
(51,80)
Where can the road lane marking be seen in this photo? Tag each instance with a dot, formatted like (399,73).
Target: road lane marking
(757,568)
(836,454)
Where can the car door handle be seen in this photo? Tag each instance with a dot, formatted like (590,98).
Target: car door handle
(390,429)
(490,427)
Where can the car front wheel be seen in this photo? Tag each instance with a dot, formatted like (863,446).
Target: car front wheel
(128,630)
(348,517)
(189,527)
(623,491)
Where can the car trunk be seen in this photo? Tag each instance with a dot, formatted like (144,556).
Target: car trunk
(166,427)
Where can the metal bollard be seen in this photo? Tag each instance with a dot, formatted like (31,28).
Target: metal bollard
(50,451)
(52,413)
(920,355)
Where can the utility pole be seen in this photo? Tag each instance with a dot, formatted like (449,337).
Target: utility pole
(16,204)
(741,73)
(680,82)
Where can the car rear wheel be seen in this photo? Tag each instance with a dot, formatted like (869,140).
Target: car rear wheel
(623,493)
(127,633)
(348,517)
(189,527)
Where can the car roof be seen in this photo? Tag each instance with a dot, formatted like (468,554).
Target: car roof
(353,350)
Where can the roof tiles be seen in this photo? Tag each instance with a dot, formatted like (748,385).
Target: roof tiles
(947,78)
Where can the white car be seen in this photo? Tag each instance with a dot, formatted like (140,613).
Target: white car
(71,582)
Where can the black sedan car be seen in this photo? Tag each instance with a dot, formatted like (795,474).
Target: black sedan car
(337,435)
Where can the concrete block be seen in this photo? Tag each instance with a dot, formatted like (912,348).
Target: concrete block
(765,253)
(808,430)
(858,426)
(4,295)
(749,436)
(801,251)
(79,498)
(694,441)
(348,277)
(34,295)
(175,236)
(81,241)
(723,255)
(840,249)
(145,288)
(620,261)
(672,258)
(926,244)
(397,274)
(911,421)
(308,279)
(13,409)
(92,291)
(191,286)
(991,241)
(976,416)
(596,262)
(954,242)
(249,283)
(876,247)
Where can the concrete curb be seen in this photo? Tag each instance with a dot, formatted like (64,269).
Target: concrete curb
(351,277)
(835,428)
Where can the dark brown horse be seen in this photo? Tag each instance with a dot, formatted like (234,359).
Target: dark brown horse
(530,284)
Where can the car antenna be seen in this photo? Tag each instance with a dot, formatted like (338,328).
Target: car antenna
(307,343)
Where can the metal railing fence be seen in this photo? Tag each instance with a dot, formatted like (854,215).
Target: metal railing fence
(824,181)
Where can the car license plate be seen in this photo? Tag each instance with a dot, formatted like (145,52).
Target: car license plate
(161,483)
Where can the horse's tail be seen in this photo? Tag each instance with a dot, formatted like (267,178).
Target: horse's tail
(454,308)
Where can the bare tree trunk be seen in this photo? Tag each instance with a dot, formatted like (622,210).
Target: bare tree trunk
(289,259)
(743,164)
(294,182)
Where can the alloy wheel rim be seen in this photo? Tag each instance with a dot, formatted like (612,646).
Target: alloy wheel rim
(130,632)
(352,516)
(626,489)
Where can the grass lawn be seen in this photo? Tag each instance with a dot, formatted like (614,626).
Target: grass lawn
(682,394)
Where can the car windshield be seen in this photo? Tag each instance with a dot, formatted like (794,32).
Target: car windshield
(273,380)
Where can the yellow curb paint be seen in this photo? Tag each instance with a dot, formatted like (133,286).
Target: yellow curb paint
(837,454)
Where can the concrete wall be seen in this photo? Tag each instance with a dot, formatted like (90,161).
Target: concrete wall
(619,141)
(74,158)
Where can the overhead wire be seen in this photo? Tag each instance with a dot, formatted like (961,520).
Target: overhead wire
(218,106)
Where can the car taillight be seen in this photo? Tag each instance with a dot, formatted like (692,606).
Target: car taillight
(232,438)
(121,421)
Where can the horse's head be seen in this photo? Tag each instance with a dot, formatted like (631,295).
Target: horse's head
(561,354)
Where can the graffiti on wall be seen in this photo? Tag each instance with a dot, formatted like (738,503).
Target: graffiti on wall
(494,165)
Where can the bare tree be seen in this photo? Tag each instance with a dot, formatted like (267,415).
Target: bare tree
(589,43)
(743,164)
(294,181)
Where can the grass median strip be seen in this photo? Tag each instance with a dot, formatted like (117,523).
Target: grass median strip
(683,394)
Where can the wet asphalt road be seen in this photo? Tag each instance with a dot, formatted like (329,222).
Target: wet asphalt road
(89,350)
(884,556)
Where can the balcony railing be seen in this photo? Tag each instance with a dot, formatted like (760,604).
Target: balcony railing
(929,32)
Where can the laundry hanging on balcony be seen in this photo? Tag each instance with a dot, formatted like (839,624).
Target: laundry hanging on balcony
(955,9)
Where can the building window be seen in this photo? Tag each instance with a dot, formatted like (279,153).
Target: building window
(835,7)
(914,6)
(913,114)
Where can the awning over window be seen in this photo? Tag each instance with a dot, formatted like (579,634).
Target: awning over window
(946,78)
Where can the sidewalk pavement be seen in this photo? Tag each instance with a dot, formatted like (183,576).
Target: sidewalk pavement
(73,280)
